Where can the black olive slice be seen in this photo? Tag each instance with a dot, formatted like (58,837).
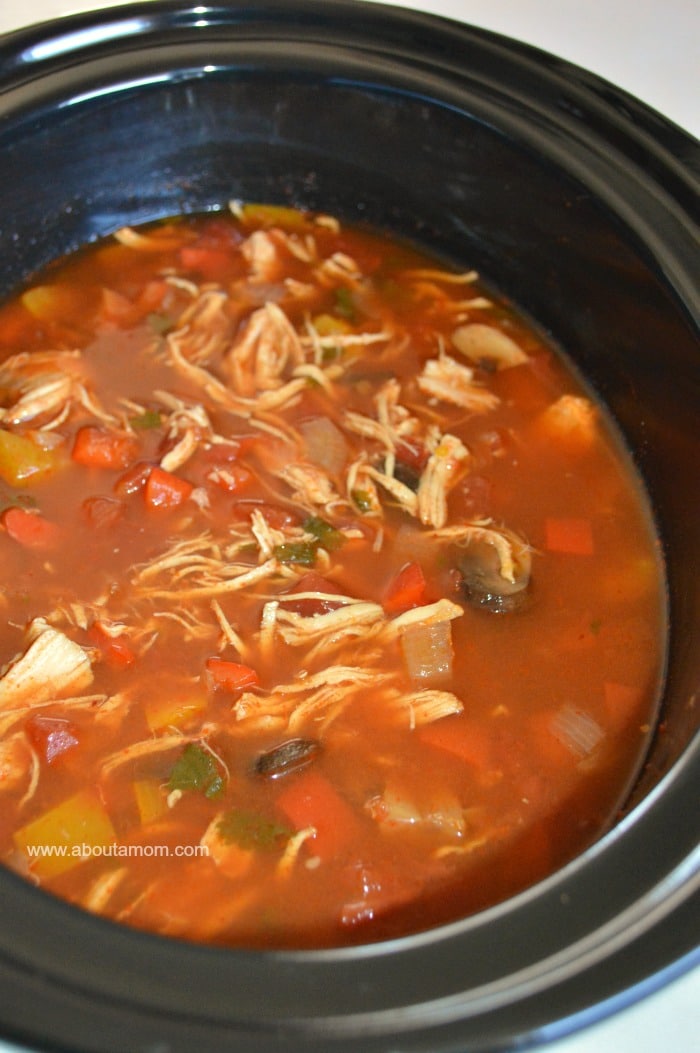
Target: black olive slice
(288,756)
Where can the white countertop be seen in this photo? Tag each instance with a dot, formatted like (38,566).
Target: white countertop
(649,48)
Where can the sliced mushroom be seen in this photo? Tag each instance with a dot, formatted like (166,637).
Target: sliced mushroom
(288,756)
(483,582)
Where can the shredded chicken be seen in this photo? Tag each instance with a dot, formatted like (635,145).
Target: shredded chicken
(268,348)
(439,476)
(52,667)
(449,381)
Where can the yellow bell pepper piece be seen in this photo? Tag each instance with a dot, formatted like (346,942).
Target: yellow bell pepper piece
(150,800)
(67,834)
(23,461)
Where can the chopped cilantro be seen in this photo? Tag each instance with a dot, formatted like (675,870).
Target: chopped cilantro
(251,830)
(145,420)
(326,534)
(196,769)
(302,552)
(345,303)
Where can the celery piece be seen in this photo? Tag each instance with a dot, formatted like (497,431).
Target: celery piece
(75,830)
(146,420)
(345,303)
(302,552)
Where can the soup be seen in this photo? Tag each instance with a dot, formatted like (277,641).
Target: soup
(333,609)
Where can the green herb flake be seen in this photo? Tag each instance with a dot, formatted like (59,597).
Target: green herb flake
(196,769)
(146,420)
(159,323)
(331,354)
(301,552)
(596,626)
(250,830)
(326,535)
(362,500)
(345,303)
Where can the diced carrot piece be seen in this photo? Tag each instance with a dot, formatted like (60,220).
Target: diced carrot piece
(406,590)
(463,739)
(310,800)
(98,448)
(229,676)
(574,537)
(165,490)
(30,528)
(116,650)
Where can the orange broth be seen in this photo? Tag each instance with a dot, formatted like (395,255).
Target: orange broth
(333,608)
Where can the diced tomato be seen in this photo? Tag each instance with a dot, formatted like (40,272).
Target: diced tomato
(116,650)
(134,479)
(571,536)
(308,606)
(277,516)
(309,799)
(229,676)
(406,590)
(472,497)
(165,490)
(208,261)
(466,740)
(116,307)
(152,295)
(103,512)
(30,529)
(51,737)
(98,448)
(412,453)
(233,478)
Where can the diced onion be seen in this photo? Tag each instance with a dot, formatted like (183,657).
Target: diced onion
(325,444)
(576,730)
(427,652)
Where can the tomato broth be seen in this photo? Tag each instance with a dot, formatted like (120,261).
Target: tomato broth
(333,606)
